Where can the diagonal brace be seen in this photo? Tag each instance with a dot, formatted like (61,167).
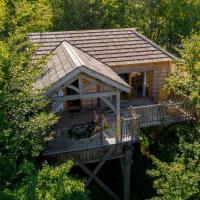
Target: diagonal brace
(99,182)
(101,163)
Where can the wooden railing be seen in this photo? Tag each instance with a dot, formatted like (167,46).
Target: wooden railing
(130,129)
(62,141)
(172,110)
(185,104)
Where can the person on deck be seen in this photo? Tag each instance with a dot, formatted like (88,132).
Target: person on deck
(103,121)
(94,124)
(95,117)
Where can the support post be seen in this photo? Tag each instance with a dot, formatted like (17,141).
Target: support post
(127,172)
(144,85)
(130,83)
(99,182)
(80,83)
(118,122)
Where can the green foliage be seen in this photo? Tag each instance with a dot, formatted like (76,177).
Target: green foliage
(186,75)
(25,16)
(175,180)
(49,183)
(24,124)
(164,21)
(87,14)
(2,13)
(180,179)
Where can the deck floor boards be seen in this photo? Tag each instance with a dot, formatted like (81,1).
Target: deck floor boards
(144,113)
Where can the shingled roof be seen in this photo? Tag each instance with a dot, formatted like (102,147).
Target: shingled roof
(67,62)
(111,46)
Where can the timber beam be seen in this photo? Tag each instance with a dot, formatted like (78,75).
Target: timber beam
(109,103)
(127,171)
(99,182)
(83,96)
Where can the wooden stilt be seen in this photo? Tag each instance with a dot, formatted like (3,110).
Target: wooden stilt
(100,165)
(99,182)
(130,83)
(122,166)
(127,172)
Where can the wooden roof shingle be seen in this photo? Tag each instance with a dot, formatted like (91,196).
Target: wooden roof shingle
(110,46)
(67,61)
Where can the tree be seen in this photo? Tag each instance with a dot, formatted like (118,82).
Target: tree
(186,74)
(175,180)
(24,126)
(180,179)
(87,14)
(166,22)
(48,183)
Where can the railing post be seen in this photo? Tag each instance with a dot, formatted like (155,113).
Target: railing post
(118,122)
(137,129)
(122,129)
(101,131)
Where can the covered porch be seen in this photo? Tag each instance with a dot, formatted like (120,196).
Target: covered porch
(73,129)
(80,86)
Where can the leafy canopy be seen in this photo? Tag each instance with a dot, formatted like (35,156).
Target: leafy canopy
(49,183)
(186,74)
(180,179)
(164,21)
(24,126)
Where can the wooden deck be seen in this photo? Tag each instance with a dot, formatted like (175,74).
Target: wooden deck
(173,110)
(62,143)
(67,119)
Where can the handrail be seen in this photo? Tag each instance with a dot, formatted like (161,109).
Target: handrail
(129,132)
(168,111)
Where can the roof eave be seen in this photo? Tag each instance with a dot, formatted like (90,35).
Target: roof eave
(63,81)
(155,45)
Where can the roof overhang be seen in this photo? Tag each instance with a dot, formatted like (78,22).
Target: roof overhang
(82,69)
(67,62)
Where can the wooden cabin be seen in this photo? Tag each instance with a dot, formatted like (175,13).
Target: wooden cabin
(100,83)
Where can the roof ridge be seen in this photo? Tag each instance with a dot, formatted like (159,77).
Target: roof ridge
(153,43)
(83,30)
(73,55)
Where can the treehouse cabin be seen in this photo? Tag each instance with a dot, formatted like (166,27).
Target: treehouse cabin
(103,85)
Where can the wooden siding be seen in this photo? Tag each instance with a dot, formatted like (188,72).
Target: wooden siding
(160,71)
(89,102)
(159,80)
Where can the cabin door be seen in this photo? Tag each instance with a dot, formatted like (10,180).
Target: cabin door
(137,84)
(141,84)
